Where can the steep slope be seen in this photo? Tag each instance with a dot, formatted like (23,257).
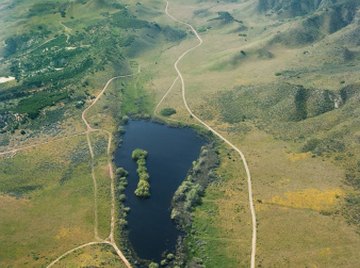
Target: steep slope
(315,21)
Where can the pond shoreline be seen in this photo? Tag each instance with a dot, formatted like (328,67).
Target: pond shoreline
(123,234)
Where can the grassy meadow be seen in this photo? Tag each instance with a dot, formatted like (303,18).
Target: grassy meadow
(300,150)
(287,101)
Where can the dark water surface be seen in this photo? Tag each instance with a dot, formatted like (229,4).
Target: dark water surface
(171,152)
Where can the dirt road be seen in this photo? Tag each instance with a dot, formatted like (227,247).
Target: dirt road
(250,194)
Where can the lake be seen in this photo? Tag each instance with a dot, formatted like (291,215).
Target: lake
(171,152)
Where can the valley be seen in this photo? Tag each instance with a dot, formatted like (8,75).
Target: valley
(273,86)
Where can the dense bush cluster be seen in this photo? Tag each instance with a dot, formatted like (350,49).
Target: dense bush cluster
(51,66)
(320,146)
(143,187)
(167,111)
(121,184)
(189,194)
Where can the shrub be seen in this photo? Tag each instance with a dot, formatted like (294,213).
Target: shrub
(121,172)
(170,256)
(168,111)
(139,154)
(143,187)
(310,145)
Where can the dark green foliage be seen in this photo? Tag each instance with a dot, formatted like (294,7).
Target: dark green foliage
(121,183)
(189,193)
(43,8)
(34,104)
(124,19)
(143,187)
(225,17)
(300,99)
(50,7)
(14,93)
(42,60)
(50,119)
(128,41)
(153,265)
(173,34)
(41,79)
(167,111)
(20,191)
(139,154)
(320,146)
(121,172)
(15,43)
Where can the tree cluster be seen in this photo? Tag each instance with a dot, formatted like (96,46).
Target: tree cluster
(143,187)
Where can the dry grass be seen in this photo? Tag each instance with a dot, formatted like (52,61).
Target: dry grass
(44,223)
(309,198)
(292,232)
(92,256)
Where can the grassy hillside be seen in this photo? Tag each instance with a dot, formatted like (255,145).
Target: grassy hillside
(62,53)
(281,81)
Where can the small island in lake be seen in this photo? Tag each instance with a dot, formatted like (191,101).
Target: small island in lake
(143,187)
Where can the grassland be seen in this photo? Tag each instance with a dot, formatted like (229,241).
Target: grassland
(266,92)
(299,148)
(98,256)
(45,212)
(60,68)
(62,53)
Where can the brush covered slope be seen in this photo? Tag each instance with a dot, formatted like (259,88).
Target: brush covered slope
(279,79)
(61,54)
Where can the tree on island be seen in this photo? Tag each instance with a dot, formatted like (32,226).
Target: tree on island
(143,187)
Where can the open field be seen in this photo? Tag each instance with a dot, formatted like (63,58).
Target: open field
(45,212)
(289,103)
(97,255)
(290,186)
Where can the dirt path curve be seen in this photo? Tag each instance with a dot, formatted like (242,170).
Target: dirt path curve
(84,246)
(89,129)
(110,240)
(73,250)
(67,31)
(250,194)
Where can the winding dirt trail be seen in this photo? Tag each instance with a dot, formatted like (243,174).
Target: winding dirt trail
(73,250)
(67,31)
(89,129)
(250,194)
